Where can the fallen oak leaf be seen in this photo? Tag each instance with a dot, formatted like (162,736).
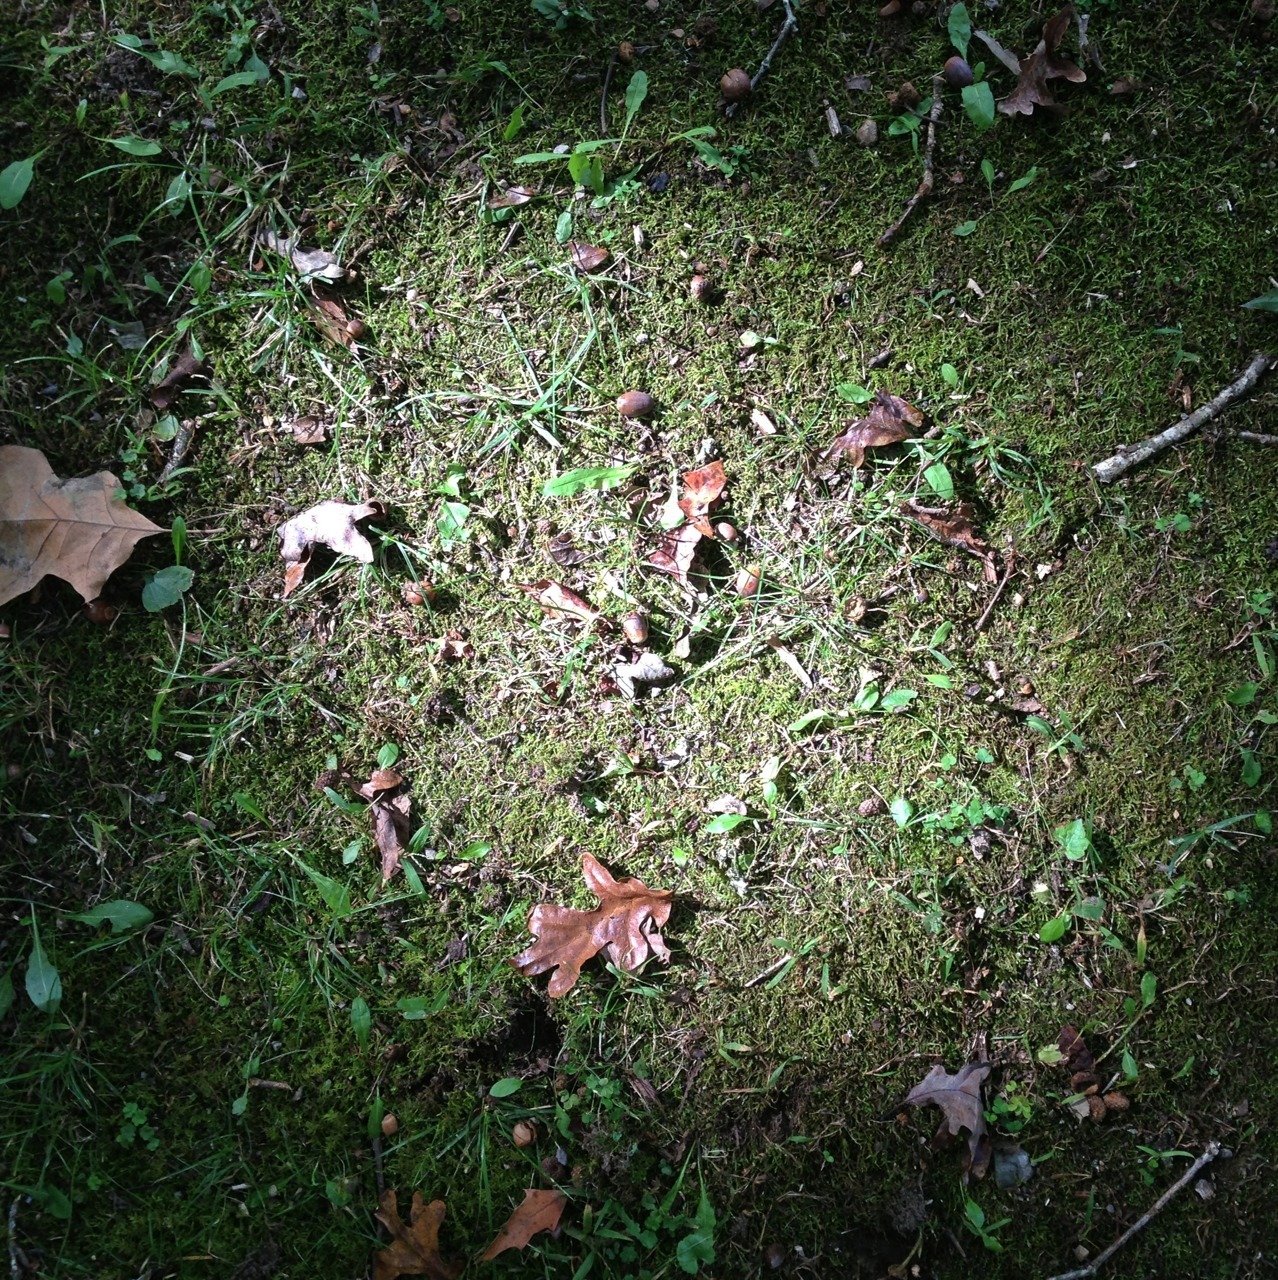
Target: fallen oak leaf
(588,257)
(702,490)
(558,601)
(414,1247)
(184,368)
(78,530)
(538,1211)
(959,1097)
(677,554)
(314,264)
(512,198)
(889,421)
(625,926)
(454,647)
(388,802)
(954,526)
(1044,64)
(332,319)
(330,524)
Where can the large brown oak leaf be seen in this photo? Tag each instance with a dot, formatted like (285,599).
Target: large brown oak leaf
(414,1246)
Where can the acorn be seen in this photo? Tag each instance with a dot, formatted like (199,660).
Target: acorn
(700,288)
(726,532)
(626,51)
(390,1125)
(99,612)
(636,404)
(634,627)
(747,580)
(524,1133)
(735,85)
(418,593)
(356,329)
(958,75)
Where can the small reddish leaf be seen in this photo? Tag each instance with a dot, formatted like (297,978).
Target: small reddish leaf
(414,1247)
(184,368)
(538,1211)
(889,421)
(625,927)
(588,257)
(955,527)
(512,197)
(702,489)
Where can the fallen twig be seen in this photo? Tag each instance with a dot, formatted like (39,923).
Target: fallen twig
(14,1270)
(1082,1273)
(787,29)
(925,186)
(1123,461)
(603,101)
(1256,437)
(984,619)
(181,445)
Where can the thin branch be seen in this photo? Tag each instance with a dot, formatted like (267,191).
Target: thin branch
(1213,1150)
(1256,437)
(983,622)
(603,101)
(181,446)
(1123,461)
(15,1270)
(787,29)
(925,187)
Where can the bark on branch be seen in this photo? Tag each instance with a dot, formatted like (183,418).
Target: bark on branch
(929,177)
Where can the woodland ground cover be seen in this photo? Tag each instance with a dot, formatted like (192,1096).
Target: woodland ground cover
(900,827)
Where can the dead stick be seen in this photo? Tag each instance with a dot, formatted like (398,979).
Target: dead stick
(983,622)
(181,445)
(378,1170)
(1256,437)
(1213,1150)
(925,187)
(1123,461)
(603,101)
(15,1270)
(787,28)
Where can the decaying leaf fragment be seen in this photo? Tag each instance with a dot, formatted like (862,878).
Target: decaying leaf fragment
(538,1211)
(512,198)
(310,264)
(677,554)
(329,524)
(332,319)
(955,527)
(625,926)
(184,368)
(701,491)
(588,257)
(1042,66)
(558,601)
(414,1247)
(959,1097)
(889,421)
(388,802)
(76,530)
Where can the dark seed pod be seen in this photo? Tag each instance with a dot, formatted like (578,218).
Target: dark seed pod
(958,75)
(735,85)
(636,404)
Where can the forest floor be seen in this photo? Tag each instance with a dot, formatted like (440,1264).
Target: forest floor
(916,806)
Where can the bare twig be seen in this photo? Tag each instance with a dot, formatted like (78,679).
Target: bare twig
(787,29)
(379,1170)
(1256,437)
(1082,1273)
(603,101)
(925,186)
(14,1270)
(1123,461)
(181,445)
(984,619)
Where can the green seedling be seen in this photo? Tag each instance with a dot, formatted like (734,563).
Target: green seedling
(136,1127)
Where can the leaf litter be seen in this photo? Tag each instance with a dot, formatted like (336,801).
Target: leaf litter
(79,530)
(310,264)
(889,421)
(625,927)
(414,1246)
(959,1098)
(702,494)
(538,1211)
(183,369)
(1044,64)
(329,524)
(956,528)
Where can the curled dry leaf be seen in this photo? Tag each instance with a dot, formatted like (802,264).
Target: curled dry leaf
(184,368)
(889,421)
(702,489)
(647,669)
(331,318)
(563,550)
(309,430)
(625,926)
(454,647)
(388,803)
(677,554)
(310,264)
(954,526)
(538,1211)
(76,530)
(959,1097)
(558,601)
(414,1246)
(512,198)
(588,257)
(1033,88)
(328,524)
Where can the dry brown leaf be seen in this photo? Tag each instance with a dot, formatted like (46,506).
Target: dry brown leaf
(959,1097)
(1045,64)
(787,656)
(308,430)
(889,421)
(538,1211)
(512,198)
(454,647)
(558,601)
(184,368)
(313,264)
(563,550)
(588,257)
(701,491)
(625,926)
(677,554)
(332,319)
(388,803)
(955,527)
(76,530)
(329,524)
(414,1247)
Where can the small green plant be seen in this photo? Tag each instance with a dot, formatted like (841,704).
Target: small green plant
(1011,1110)
(559,13)
(1156,1161)
(987,1232)
(136,1127)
